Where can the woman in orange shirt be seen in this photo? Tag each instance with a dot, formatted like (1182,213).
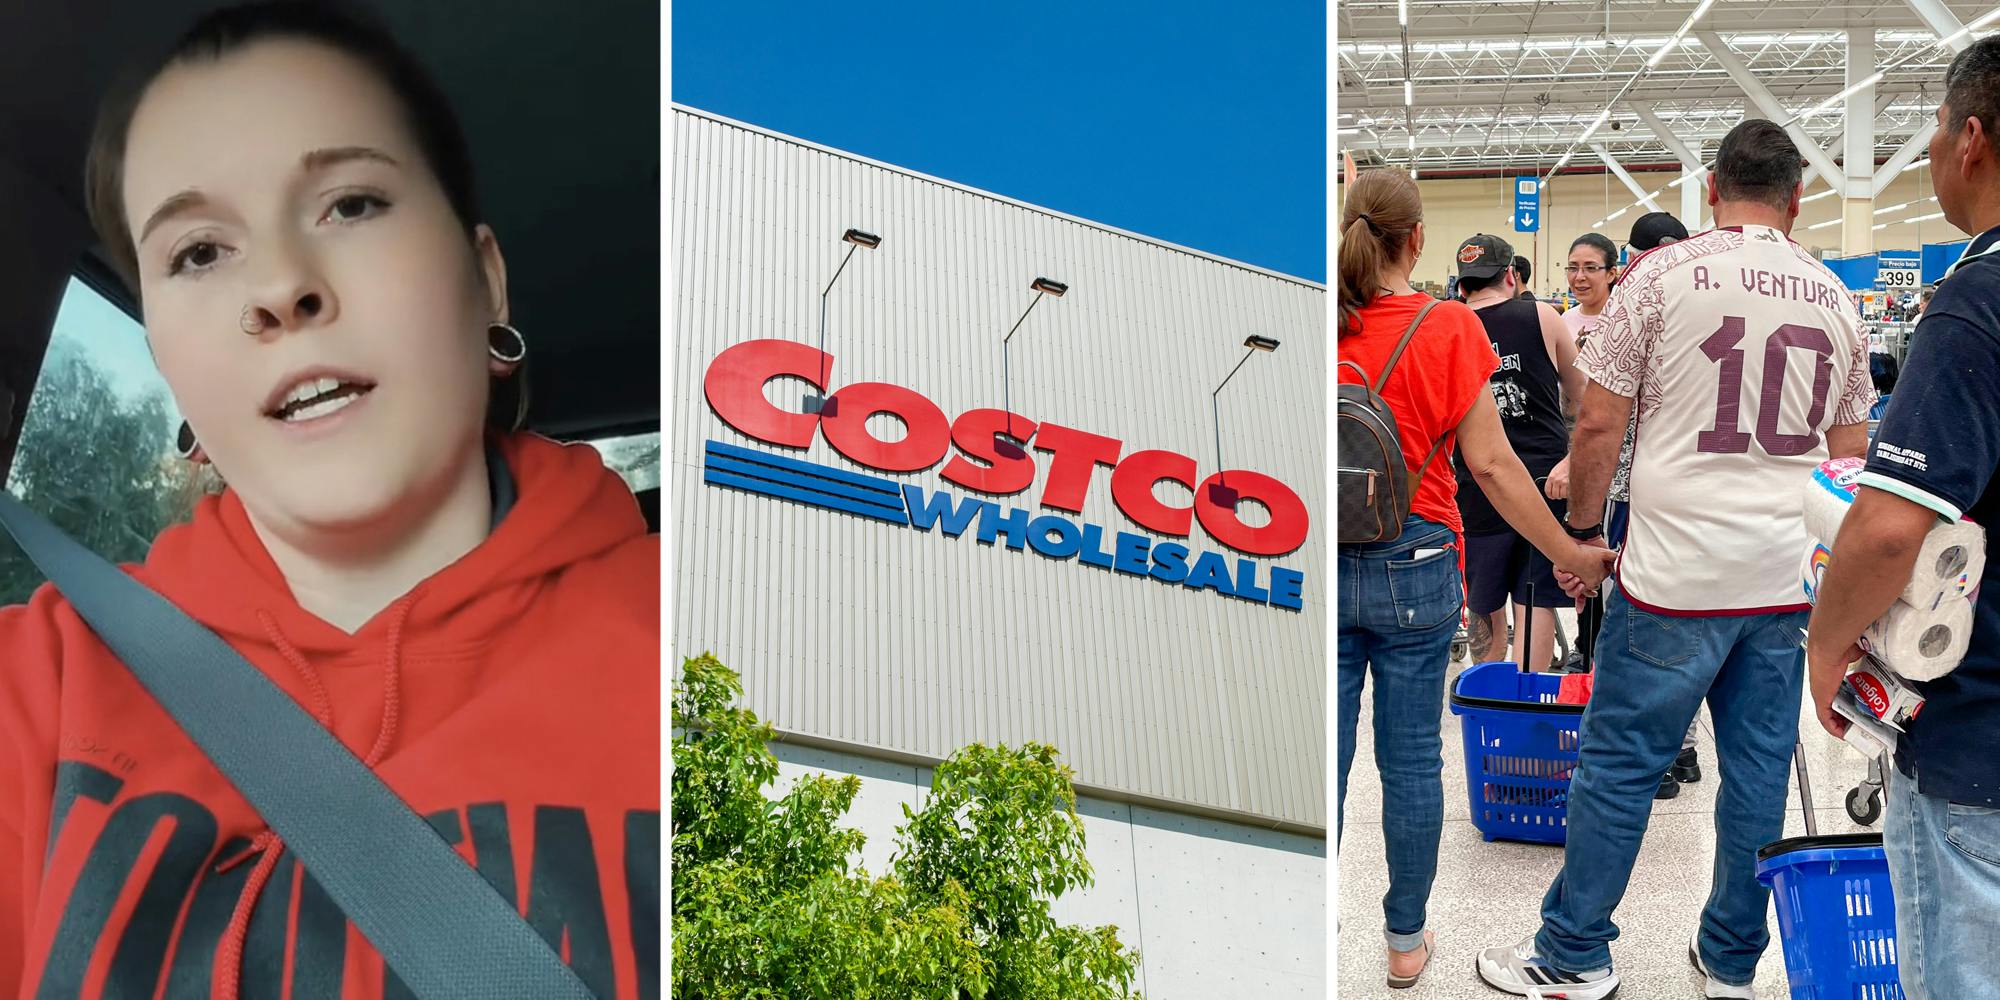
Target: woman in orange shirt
(1399,601)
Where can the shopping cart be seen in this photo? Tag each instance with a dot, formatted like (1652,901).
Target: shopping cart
(1836,913)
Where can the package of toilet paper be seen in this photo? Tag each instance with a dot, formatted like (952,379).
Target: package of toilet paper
(1949,564)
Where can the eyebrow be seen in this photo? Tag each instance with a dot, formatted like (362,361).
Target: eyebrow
(320,159)
(312,162)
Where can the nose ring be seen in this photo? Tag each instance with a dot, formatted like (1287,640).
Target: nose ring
(250,321)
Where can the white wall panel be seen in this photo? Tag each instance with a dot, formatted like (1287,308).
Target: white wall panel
(878,635)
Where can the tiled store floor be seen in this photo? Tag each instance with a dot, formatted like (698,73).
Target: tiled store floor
(1490,893)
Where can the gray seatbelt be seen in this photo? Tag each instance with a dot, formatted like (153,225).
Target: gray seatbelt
(436,921)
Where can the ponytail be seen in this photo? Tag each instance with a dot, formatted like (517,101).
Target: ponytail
(1381,214)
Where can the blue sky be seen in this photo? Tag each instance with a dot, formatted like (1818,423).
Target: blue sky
(1200,123)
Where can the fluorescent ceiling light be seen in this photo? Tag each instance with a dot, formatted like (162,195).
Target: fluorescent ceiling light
(1613,217)
(1970,28)
(1815,197)
(1662,54)
(1823,225)
(1881,225)
(1597,224)
(1915,166)
(1845,95)
(1894,208)
(1413,142)
(1409,93)
(1926,218)
(1403,12)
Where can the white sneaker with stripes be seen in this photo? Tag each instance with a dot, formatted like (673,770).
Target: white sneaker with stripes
(1518,970)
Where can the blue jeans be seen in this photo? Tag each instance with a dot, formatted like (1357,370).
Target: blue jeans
(1944,865)
(1397,614)
(1652,673)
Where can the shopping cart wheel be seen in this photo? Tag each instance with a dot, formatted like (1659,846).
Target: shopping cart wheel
(1864,805)
(1461,649)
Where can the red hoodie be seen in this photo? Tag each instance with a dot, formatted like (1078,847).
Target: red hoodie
(512,699)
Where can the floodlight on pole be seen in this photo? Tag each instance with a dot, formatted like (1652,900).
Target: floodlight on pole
(1253,344)
(1040,286)
(860,241)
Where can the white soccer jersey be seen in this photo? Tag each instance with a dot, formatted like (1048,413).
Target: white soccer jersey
(1740,350)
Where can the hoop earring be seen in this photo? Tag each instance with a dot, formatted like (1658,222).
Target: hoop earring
(187,446)
(505,344)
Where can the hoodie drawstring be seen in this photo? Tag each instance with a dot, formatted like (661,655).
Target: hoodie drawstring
(228,969)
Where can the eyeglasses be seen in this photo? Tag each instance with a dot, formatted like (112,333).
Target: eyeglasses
(1587,269)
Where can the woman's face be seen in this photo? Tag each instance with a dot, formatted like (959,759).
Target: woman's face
(1590,287)
(279,190)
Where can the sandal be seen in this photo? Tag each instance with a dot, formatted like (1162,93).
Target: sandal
(1397,982)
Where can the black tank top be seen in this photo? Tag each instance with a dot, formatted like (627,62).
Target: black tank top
(1528,394)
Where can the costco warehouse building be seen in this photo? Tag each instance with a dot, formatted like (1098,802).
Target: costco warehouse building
(920,538)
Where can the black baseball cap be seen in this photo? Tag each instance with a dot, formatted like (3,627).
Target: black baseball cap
(1654,228)
(1485,257)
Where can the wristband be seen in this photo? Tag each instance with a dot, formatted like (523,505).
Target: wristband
(1584,534)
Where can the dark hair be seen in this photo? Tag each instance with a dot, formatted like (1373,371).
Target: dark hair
(339,26)
(1600,243)
(1758,162)
(1382,210)
(1972,88)
(1882,370)
(1471,286)
(1522,269)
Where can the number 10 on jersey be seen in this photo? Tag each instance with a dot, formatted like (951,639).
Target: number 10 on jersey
(1724,347)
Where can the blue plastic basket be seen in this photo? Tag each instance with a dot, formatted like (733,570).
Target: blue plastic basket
(1520,747)
(1836,916)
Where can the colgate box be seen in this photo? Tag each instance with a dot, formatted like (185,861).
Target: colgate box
(1883,693)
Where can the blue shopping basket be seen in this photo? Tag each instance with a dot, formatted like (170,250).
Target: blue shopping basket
(1836,916)
(1520,748)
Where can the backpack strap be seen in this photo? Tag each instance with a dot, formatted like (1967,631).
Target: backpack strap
(1397,354)
(1438,447)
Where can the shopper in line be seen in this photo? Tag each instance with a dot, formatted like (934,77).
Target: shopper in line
(1399,601)
(1934,457)
(1741,388)
(1536,385)
(1592,272)
(1523,270)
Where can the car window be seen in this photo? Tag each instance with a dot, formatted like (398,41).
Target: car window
(635,457)
(96,450)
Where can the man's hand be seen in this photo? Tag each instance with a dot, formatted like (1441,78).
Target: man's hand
(1826,679)
(1586,567)
(1557,487)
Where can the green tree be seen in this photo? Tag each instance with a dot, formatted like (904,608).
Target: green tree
(766,904)
(96,464)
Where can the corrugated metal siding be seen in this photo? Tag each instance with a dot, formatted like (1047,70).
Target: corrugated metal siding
(860,631)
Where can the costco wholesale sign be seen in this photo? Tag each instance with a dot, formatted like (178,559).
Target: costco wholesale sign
(993,457)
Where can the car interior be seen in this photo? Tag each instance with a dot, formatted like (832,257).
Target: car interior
(561,106)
